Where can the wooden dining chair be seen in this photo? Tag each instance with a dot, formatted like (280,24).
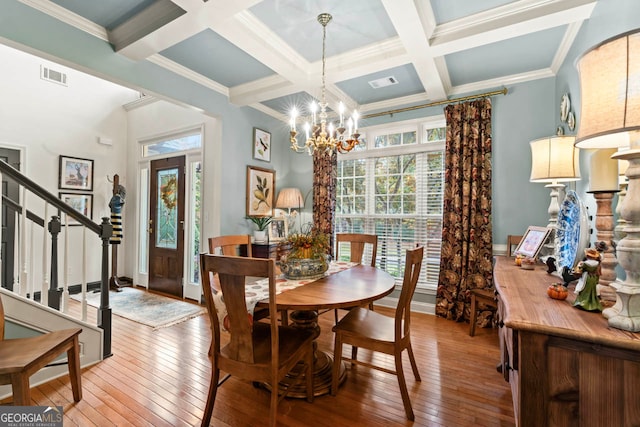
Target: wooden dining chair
(391,335)
(480,296)
(357,243)
(257,351)
(512,243)
(230,244)
(20,358)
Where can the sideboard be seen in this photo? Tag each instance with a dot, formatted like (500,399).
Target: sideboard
(566,366)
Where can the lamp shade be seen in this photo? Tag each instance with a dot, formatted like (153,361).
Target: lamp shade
(289,198)
(610,90)
(603,173)
(554,158)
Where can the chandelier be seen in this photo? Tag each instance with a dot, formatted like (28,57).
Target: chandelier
(321,136)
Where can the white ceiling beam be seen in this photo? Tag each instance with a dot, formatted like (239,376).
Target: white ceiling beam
(199,16)
(508,21)
(565,45)
(405,18)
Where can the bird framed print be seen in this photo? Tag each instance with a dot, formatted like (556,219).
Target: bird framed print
(261,145)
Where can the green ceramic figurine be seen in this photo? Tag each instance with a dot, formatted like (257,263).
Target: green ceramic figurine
(590,269)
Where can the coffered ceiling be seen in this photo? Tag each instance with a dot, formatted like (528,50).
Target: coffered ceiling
(267,53)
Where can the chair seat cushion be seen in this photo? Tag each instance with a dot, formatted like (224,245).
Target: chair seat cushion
(364,322)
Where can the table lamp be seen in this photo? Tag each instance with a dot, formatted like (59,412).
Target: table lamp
(290,198)
(554,159)
(618,231)
(610,118)
(603,184)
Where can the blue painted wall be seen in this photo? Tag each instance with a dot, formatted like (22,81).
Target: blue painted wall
(529,111)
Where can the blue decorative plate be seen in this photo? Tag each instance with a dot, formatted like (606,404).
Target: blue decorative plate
(572,235)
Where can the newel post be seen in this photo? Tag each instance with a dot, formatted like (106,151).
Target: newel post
(104,312)
(54,293)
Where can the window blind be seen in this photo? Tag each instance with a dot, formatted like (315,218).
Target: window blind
(393,187)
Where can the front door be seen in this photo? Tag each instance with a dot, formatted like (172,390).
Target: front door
(11,190)
(166,225)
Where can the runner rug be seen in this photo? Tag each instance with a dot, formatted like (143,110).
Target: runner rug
(147,308)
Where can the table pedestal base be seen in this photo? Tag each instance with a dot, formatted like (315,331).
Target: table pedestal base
(322,362)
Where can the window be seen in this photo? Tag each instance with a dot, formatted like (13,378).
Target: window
(393,187)
(188,141)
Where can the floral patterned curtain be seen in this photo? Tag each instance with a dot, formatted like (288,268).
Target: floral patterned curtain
(324,192)
(466,258)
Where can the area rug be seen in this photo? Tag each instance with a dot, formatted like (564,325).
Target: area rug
(147,308)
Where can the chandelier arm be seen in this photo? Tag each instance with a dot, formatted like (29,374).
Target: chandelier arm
(324,137)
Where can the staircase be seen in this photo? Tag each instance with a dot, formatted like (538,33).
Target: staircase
(35,299)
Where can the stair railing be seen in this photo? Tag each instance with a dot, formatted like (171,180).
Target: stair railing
(50,294)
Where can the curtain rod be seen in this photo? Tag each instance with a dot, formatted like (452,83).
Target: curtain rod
(431,104)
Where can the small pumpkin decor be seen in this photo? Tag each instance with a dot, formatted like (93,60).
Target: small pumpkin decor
(557,291)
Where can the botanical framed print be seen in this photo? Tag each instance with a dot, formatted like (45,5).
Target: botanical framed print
(83,203)
(261,145)
(75,174)
(532,241)
(260,191)
(278,229)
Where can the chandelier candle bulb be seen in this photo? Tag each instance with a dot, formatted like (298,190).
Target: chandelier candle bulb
(294,115)
(314,108)
(341,111)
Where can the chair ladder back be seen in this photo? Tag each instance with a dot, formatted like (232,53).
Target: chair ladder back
(232,272)
(230,244)
(412,268)
(357,242)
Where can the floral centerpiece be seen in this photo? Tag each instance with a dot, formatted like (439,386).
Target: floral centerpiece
(308,257)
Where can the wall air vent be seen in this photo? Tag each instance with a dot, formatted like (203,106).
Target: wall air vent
(53,76)
(385,81)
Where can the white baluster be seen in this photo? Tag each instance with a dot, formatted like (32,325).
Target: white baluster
(24,284)
(17,288)
(65,275)
(84,274)
(31,288)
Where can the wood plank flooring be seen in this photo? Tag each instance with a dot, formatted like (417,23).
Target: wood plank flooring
(161,378)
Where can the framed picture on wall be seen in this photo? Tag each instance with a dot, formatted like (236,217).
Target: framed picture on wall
(82,203)
(261,145)
(260,191)
(532,241)
(75,174)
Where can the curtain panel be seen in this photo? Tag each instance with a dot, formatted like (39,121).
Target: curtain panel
(325,179)
(466,258)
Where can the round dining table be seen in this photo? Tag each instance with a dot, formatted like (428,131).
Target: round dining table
(356,286)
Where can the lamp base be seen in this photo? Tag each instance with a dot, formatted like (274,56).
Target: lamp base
(625,314)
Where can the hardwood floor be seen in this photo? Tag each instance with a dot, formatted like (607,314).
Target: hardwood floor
(161,378)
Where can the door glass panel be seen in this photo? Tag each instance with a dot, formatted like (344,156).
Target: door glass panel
(167,218)
(144,220)
(196,203)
